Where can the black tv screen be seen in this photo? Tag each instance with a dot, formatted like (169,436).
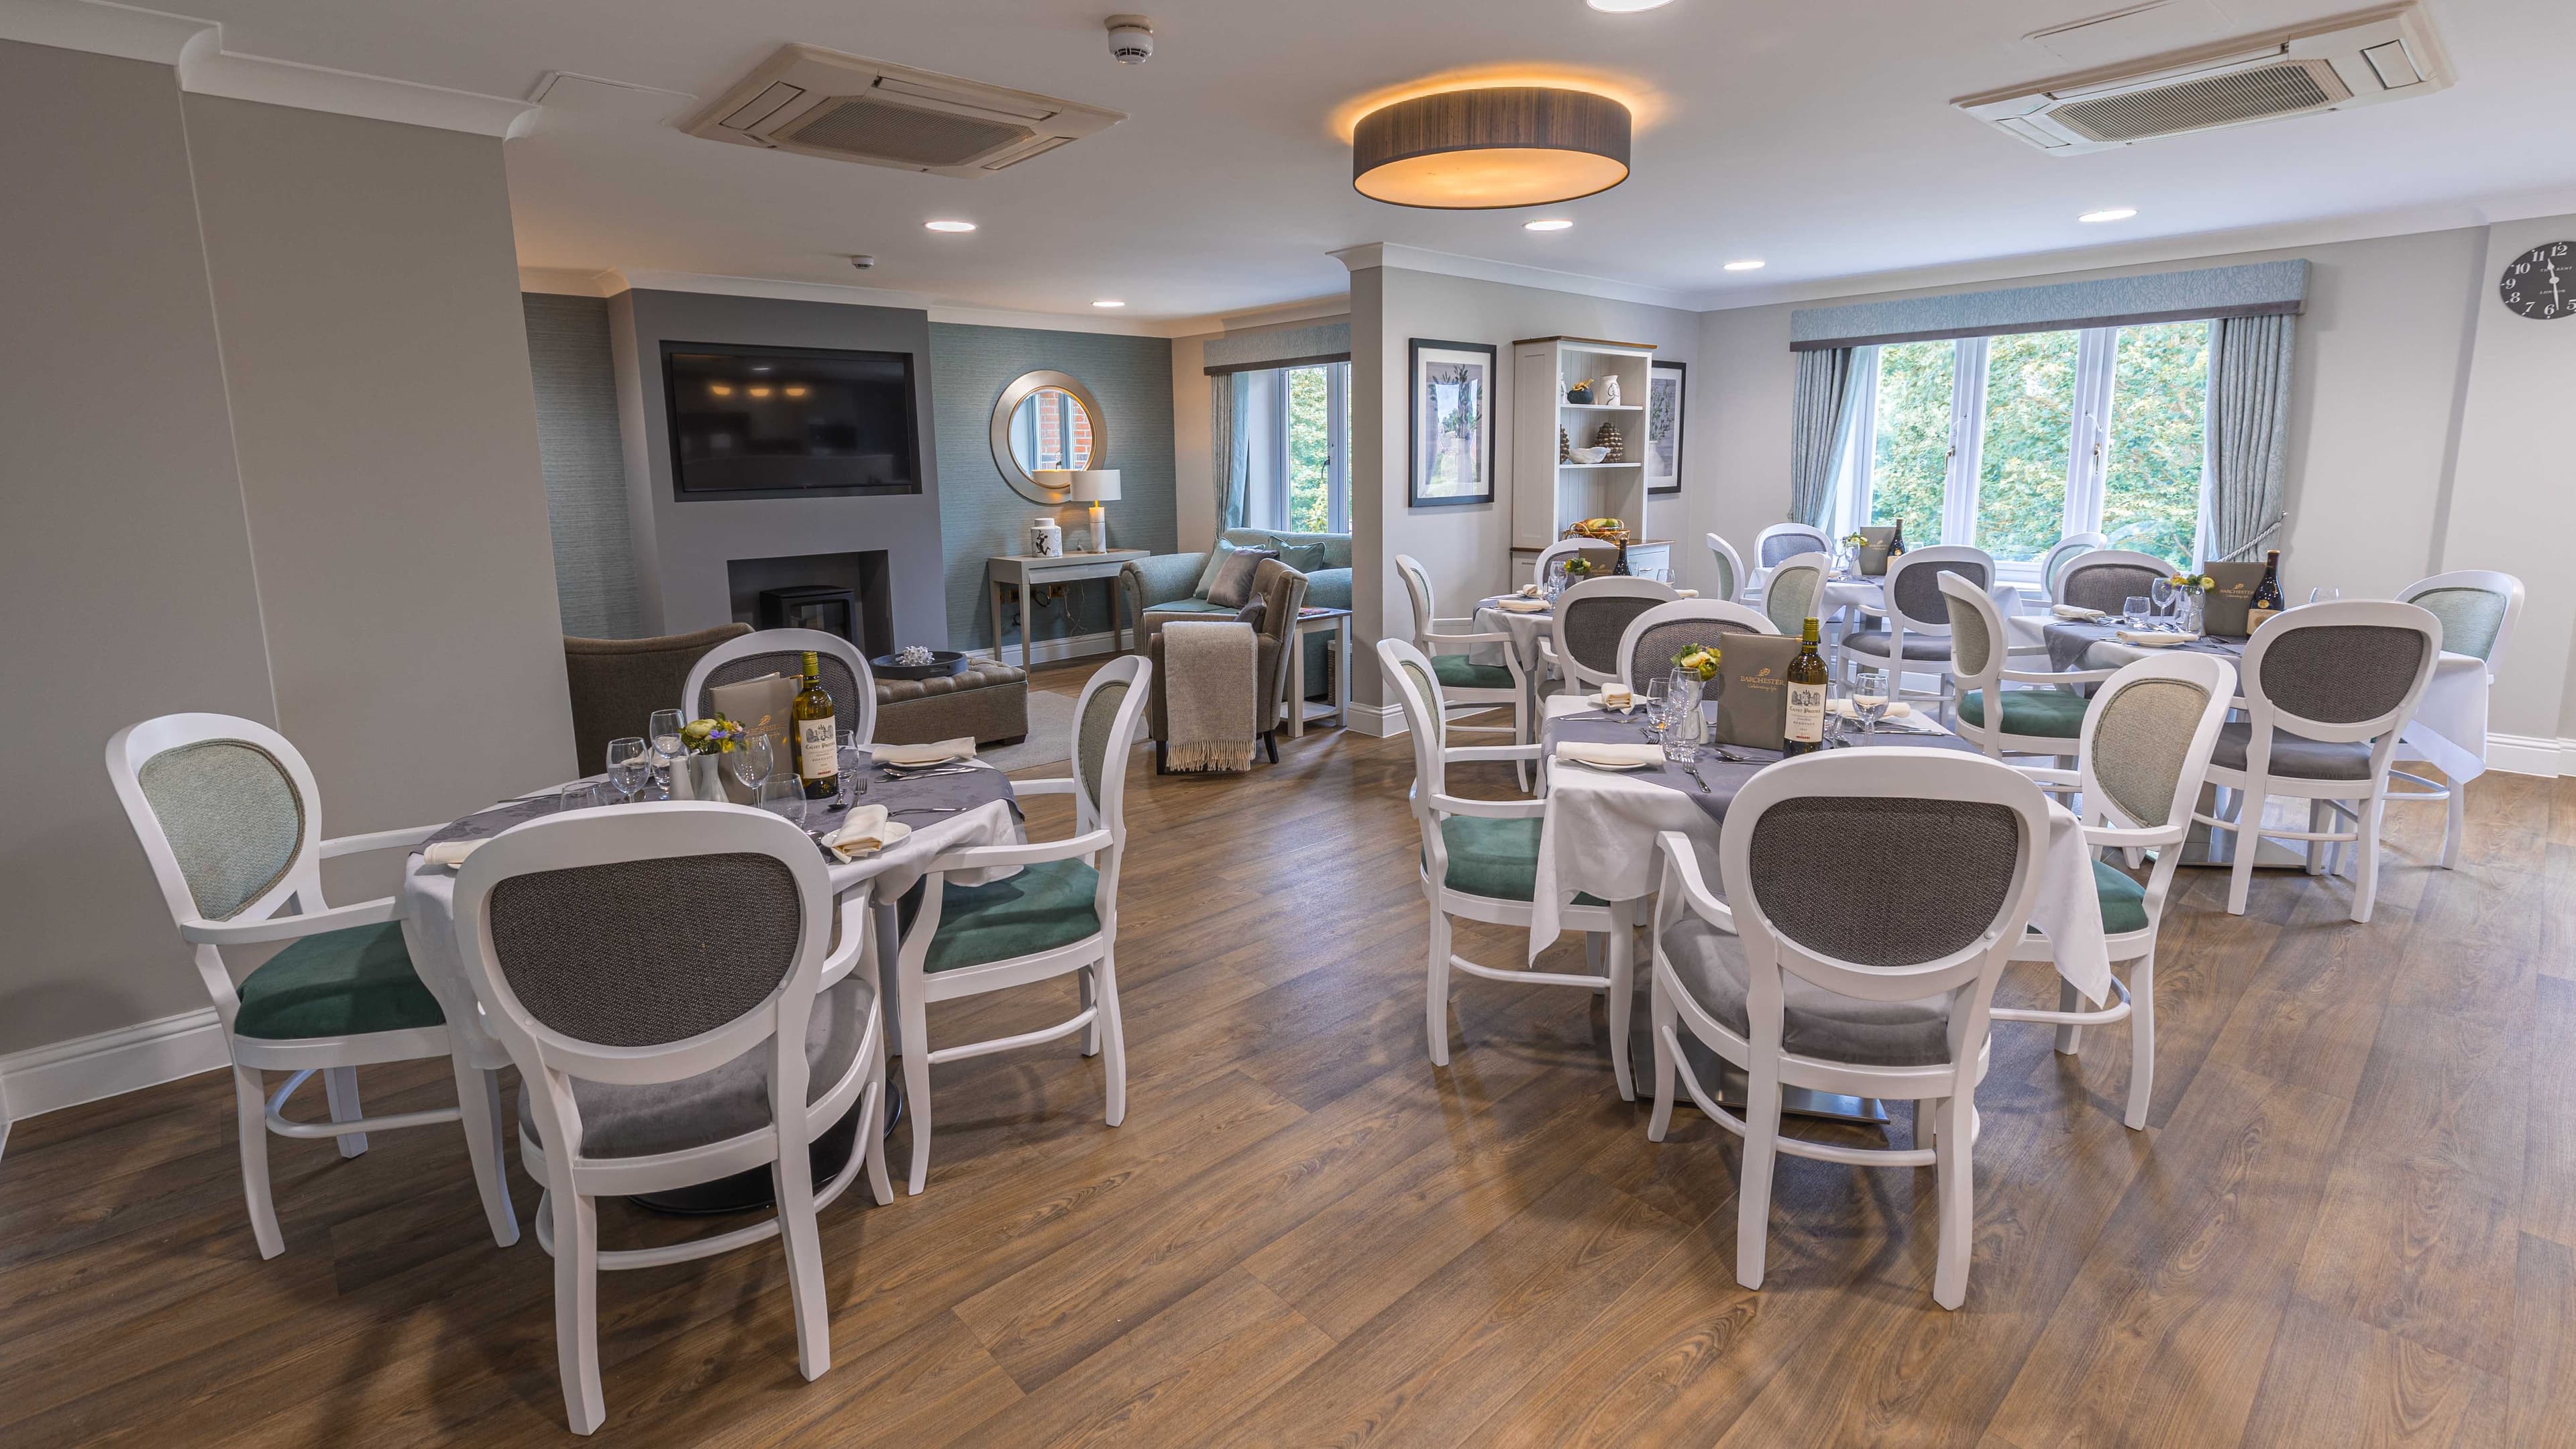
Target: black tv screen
(789,422)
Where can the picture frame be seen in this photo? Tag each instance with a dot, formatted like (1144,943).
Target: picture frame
(1667,393)
(1449,422)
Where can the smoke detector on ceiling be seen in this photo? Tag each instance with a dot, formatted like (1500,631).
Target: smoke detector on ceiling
(1131,39)
(2383,54)
(818,102)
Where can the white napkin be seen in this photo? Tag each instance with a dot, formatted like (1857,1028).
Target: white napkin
(2074,611)
(917,755)
(450,853)
(1519,605)
(1615,696)
(1687,593)
(864,831)
(1896,709)
(1589,752)
(2147,639)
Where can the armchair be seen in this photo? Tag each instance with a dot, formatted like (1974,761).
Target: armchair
(1281,591)
(1177,583)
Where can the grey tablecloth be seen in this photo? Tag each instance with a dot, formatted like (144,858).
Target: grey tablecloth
(1724,777)
(2069,642)
(1526,629)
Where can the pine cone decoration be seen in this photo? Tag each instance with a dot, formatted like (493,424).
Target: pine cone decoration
(1564,447)
(1610,437)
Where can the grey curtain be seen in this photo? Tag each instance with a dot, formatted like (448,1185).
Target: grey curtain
(2249,428)
(1231,464)
(1816,422)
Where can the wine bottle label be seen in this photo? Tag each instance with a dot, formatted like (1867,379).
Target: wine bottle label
(2257,616)
(817,748)
(1806,720)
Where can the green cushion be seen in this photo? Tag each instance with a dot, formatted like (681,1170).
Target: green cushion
(2050,712)
(2124,901)
(1497,859)
(1189,606)
(1457,671)
(339,983)
(1045,906)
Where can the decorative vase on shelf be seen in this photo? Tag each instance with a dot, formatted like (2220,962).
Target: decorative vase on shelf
(1046,538)
(1580,394)
(1617,442)
(1607,394)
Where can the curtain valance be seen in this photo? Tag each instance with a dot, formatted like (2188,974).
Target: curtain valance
(2257,289)
(1278,347)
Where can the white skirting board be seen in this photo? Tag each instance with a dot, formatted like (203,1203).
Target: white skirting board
(128,1059)
(1050,651)
(1380,720)
(2531,755)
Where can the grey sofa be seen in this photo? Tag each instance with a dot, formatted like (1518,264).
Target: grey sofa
(1176,583)
(1282,590)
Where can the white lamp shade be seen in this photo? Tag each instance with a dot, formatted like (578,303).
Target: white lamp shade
(1053,479)
(1092,485)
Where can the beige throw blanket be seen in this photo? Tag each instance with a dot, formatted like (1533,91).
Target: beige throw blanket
(1208,672)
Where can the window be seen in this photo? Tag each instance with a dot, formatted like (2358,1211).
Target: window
(2013,442)
(1297,423)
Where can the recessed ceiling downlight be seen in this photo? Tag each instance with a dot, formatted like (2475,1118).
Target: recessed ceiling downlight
(949,225)
(1627,7)
(1108,302)
(1546,223)
(1501,146)
(2111,213)
(1747,265)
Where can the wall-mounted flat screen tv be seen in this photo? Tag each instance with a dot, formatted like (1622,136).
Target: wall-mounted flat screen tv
(789,422)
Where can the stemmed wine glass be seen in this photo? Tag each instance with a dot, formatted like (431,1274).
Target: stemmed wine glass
(1659,708)
(752,762)
(2163,593)
(663,730)
(2324,595)
(630,764)
(1869,709)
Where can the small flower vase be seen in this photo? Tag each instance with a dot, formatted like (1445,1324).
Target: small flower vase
(1690,722)
(698,777)
(2195,608)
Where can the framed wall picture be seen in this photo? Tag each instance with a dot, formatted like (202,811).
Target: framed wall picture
(1449,442)
(1664,389)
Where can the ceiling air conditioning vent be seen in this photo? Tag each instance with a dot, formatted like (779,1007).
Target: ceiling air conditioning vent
(848,108)
(2348,60)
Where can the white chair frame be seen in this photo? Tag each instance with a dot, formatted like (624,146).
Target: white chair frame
(1732,563)
(1100,839)
(1460,636)
(2359,800)
(1900,624)
(2108,827)
(1744,621)
(2061,553)
(567,1220)
(1575,672)
(1762,546)
(262,922)
(1431,802)
(859,717)
(2422,789)
(1607,553)
(2098,558)
(1947,1090)
(1991,737)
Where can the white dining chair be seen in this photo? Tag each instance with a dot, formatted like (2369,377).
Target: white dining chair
(1647,646)
(230,819)
(2046,718)
(1057,916)
(1601,555)
(1583,650)
(846,676)
(2328,688)
(1480,863)
(1795,592)
(1800,981)
(1450,644)
(1916,639)
(1782,542)
(2478,609)
(1730,570)
(2141,762)
(2061,553)
(664,975)
(2107,578)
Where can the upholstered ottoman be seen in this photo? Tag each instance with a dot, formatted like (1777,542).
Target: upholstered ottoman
(987,699)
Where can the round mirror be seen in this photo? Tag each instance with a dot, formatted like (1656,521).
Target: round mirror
(1046,420)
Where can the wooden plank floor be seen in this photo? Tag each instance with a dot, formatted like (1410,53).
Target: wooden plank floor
(2352,1219)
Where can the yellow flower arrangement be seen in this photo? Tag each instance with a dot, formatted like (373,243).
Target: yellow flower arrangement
(2204,583)
(1700,659)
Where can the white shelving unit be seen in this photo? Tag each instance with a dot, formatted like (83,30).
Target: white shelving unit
(1549,496)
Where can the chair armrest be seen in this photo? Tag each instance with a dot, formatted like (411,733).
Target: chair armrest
(1443,626)
(1161,578)
(1052,785)
(1439,638)
(1489,809)
(288,928)
(1683,862)
(1463,754)
(854,936)
(380,840)
(2052,676)
(2049,775)
(979,857)
(2127,839)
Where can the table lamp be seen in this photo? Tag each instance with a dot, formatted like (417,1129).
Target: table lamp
(1096,486)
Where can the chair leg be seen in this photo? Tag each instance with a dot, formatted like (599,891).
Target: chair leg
(2366,886)
(2454,814)
(1623,1001)
(793,1175)
(1660,1017)
(1090,999)
(1113,1039)
(577,1308)
(1520,736)
(478,1104)
(250,1110)
(1956,1161)
(340,1086)
(916,1086)
(2070,1037)
(1160,768)
(1761,1154)
(1270,745)
(874,1125)
(2142,1040)
(2249,839)
(1435,993)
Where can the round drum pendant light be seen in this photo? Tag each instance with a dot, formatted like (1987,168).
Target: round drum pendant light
(1499,147)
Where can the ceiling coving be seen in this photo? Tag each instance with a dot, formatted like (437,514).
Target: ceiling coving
(1500,146)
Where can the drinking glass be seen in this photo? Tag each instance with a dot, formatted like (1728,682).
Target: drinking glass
(2164,594)
(579,795)
(853,784)
(2133,609)
(2324,595)
(1869,709)
(630,764)
(752,762)
(1659,707)
(663,731)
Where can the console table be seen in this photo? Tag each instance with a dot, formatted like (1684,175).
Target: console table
(1029,572)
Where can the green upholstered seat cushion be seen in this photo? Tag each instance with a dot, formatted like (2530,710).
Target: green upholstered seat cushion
(2050,712)
(1497,859)
(1045,906)
(2124,901)
(1457,671)
(1188,606)
(339,983)
(1917,646)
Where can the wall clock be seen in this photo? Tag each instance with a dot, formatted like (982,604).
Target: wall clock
(2541,283)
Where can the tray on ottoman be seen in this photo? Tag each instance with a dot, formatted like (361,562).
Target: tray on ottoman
(986,699)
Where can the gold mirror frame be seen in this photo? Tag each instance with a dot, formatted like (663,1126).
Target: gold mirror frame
(1018,392)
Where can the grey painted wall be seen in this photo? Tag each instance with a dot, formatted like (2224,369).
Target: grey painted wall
(585,464)
(124,554)
(681,548)
(981,516)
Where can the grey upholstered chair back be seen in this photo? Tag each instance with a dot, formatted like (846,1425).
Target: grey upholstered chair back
(646,952)
(2107,586)
(1417,588)
(837,678)
(1808,851)
(1779,548)
(1794,592)
(2471,618)
(1729,568)
(1651,656)
(1972,643)
(1589,626)
(1093,734)
(2341,673)
(233,817)
(1916,589)
(2141,744)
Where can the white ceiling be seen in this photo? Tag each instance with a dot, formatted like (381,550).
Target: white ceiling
(1816,135)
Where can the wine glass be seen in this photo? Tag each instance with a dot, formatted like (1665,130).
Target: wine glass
(753,762)
(1659,707)
(1869,709)
(853,784)
(2324,595)
(2163,593)
(663,730)
(630,765)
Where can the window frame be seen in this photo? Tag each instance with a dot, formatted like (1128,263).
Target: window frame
(1267,489)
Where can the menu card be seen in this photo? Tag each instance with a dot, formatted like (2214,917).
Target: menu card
(2223,612)
(1873,554)
(1753,704)
(761,706)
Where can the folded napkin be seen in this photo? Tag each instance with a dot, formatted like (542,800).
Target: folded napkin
(1896,710)
(2150,639)
(913,756)
(1617,757)
(1615,696)
(2074,611)
(864,831)
(1518,605)
(1687,593)
(450,853)
(1529,591)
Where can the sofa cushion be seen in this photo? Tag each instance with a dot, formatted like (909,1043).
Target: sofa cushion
(1234,581)
(1337,546)
(338,983)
